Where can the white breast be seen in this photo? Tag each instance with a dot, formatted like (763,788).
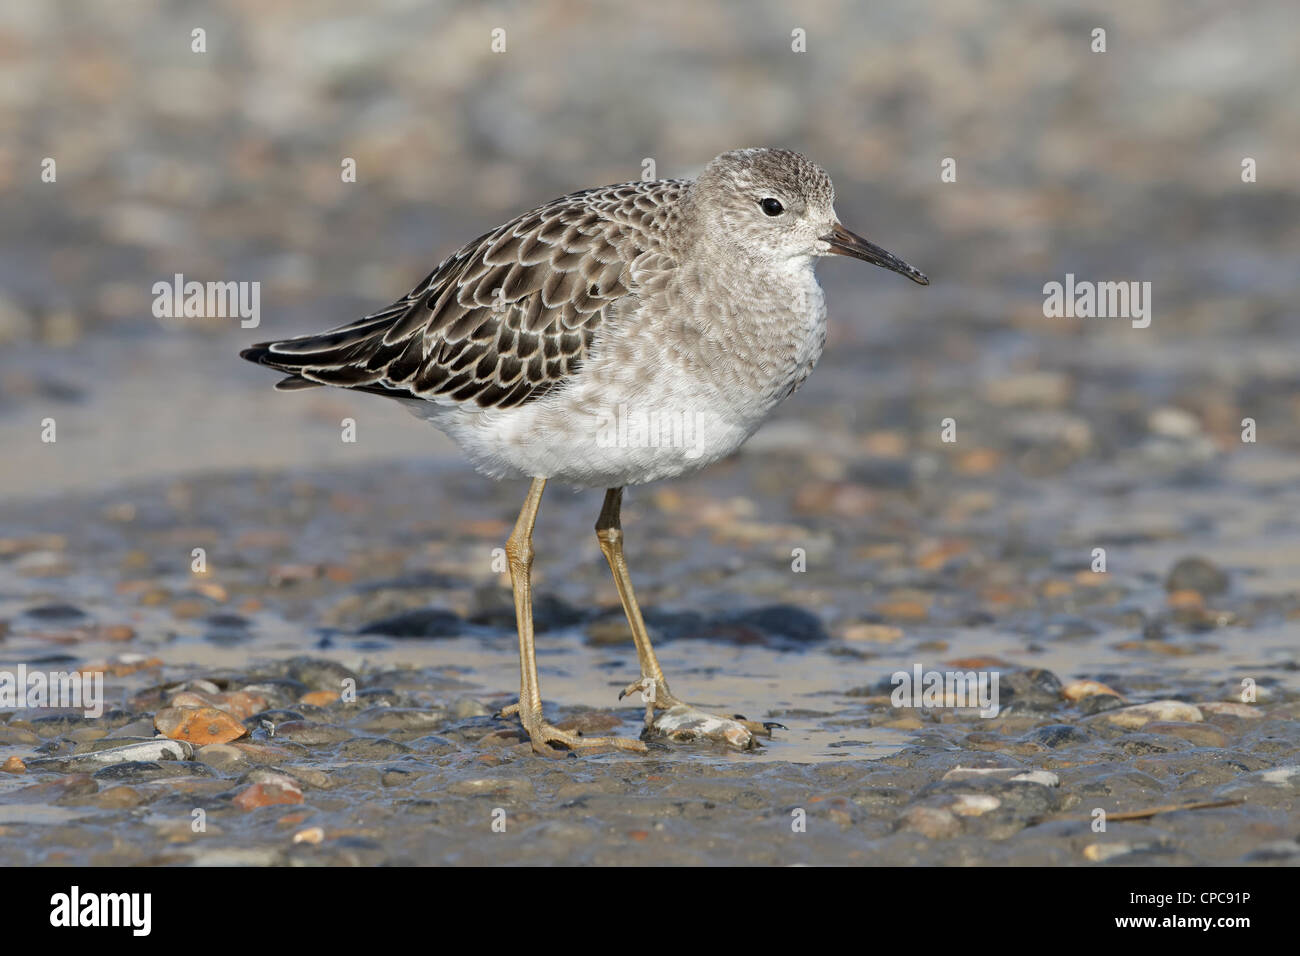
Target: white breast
(649,404)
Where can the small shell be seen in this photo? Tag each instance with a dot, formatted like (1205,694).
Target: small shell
(1079,689)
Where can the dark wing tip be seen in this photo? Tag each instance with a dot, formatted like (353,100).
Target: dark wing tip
(255,353)
(294,383)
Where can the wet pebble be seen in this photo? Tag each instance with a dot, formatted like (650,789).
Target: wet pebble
(493,786)
(1099,703)
(272,791)
(372,748)
(1197,574)
(1200,735)
(118,798)
(425,622)
(223,758)
(198,725)
(1056,735)
(937,823)
(146,750)
(144,771)
(311,734)
(1080,689)
(389,719)
(320,674)
(1143,744)
(1031,691)
(1139,715)
(239,704)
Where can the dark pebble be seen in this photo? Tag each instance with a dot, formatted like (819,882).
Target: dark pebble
(1137,745)
(1029,691)
(1099,703)
(1197,574)
(425,622)
(318,674)
(1056,735)
(494,607)
(309,733)
(141,771)
(56,612)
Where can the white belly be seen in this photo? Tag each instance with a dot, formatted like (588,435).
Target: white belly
(600,434)
(640,410)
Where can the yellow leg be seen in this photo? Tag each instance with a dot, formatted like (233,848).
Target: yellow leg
(680,721)
(609,532)
(519,553)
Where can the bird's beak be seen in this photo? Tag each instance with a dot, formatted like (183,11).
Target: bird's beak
(846,243)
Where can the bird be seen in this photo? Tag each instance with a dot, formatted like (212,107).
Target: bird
(612,337)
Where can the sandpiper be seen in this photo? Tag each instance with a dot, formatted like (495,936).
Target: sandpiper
(612,337)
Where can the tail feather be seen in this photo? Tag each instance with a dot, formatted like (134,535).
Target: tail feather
(337,358)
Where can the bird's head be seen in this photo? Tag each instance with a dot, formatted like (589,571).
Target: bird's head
(776,205)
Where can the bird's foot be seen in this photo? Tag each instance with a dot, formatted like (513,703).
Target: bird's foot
(682,722)
(543,735)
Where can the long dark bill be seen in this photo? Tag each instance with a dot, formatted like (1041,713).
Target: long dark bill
(850,244)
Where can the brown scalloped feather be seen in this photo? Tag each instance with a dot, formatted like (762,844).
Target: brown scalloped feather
(506,318)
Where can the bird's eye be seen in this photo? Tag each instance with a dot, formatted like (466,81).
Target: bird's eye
(772,206)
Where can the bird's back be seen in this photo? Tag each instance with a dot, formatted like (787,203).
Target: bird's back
(508,317)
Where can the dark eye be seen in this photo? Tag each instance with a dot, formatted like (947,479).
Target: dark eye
(772,206)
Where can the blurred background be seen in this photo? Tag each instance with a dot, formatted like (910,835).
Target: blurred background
(225,165)
(375,557)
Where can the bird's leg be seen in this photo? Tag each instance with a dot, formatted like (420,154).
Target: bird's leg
(678,720)
(519,554)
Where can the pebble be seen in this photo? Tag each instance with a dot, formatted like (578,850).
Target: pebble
(494,786)
(1139,715)
(143,727)
(320,674)
(272,791)
(122,665)
(1197,574)
(1284,776)
(1202,735)
(1033,690)
(388,719)
(425,622)
(122,797)
(239,704)
(1079,689)
(1230,708)
(312,835)
(319,698)
(311,734)
(262,753)
(465,707)
(936,823)
(1056,735)
(18,735)
(142,771)
(903,609)
(974,804)
(373,748)
(142,751)
(873,633)
(224,758)
(1042,778)
(1099,852)
(198,725)
(1099,703)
